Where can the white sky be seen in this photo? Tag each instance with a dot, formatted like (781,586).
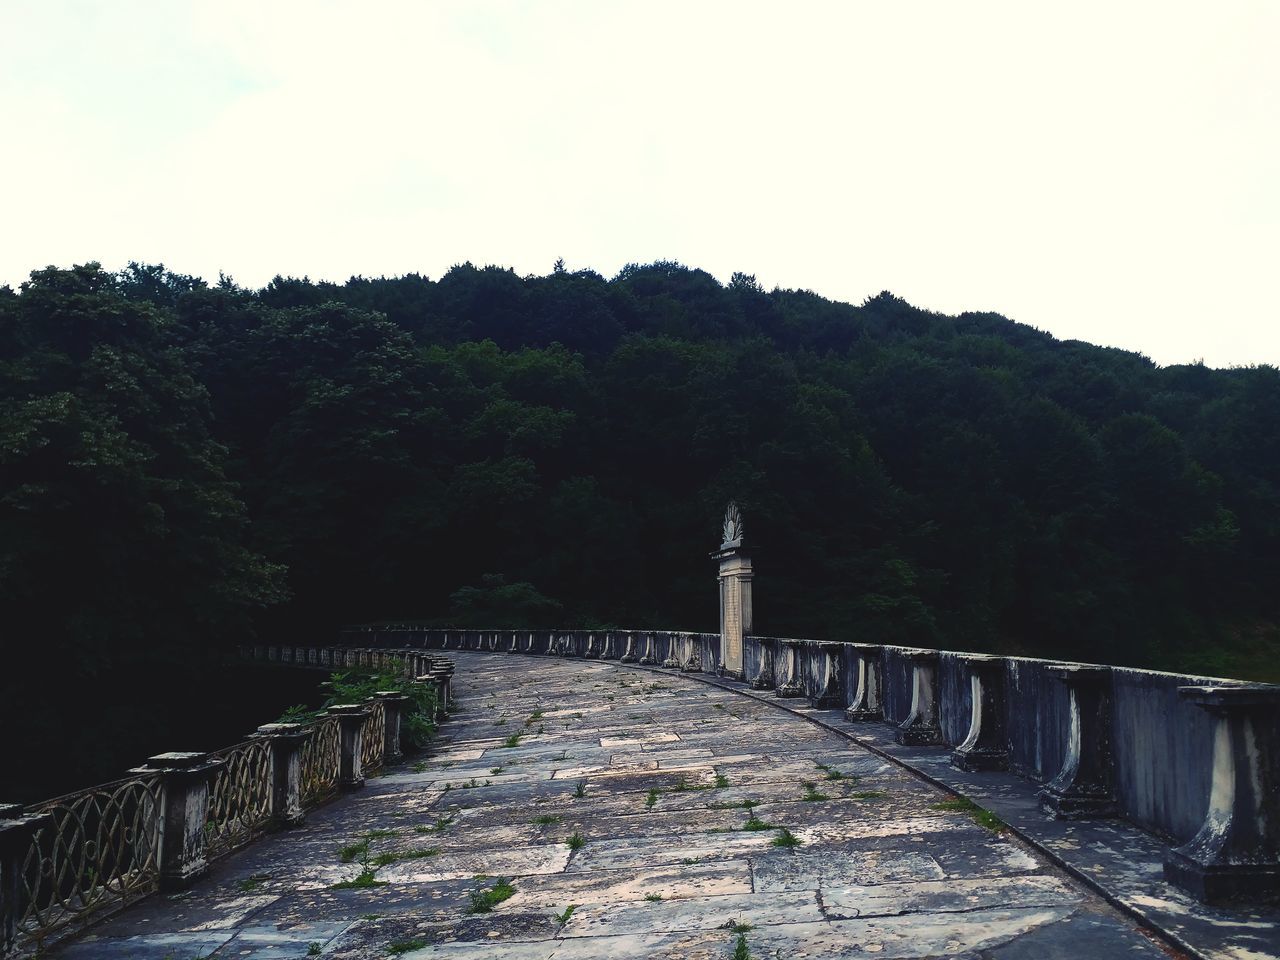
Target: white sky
(1108,171)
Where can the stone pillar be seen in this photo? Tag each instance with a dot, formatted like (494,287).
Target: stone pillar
(629,654)
(394,703)
(793,685)
(287,741)
(985,747)
(1083,787)
(763,680)
(921,727)
(184,788)
(831,694)
(648,660)
(591,653)
(735,594)
(515,643)
(351,717)
(16,834)
(1236,853)
(868,702)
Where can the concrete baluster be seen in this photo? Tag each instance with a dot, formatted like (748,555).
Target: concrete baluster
(1084,786)
(985,747)
(830,696)
(693,664)
(793,684)
(629,654)
(1236,853)
(649,659)
(868,702)
(672,662)
(763,680)
(921,726)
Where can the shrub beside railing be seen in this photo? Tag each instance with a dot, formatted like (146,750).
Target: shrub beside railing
(70,860)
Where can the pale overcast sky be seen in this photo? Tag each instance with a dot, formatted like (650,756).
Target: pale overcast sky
(1108,171)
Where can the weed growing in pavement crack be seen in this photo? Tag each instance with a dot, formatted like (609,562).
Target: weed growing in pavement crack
(811,792)
(440,824)
(785,838)
(484,899)
(577,841)
(563,918)
(581,789)
(979,815)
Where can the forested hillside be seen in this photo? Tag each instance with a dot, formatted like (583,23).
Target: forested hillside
(185,464)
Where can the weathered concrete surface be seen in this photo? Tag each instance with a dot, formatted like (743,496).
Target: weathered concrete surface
(653,779)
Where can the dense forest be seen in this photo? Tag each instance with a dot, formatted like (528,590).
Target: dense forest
(185,465)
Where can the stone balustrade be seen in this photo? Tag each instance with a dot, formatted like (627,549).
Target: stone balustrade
(1187,758)
(67,861)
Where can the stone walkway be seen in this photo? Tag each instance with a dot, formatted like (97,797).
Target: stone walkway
(576,809)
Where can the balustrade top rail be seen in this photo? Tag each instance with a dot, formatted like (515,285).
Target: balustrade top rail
(72,858)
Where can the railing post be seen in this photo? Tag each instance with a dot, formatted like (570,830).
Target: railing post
(184,809)
(868,702)
(1236,853)
(16,834)
(351,717)
(393,705)
(648,660)
(1083,787)
(984,747)
(287,741)
(793,685)
(921,727)
(432,679)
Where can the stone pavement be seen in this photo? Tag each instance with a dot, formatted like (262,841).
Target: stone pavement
(581,809)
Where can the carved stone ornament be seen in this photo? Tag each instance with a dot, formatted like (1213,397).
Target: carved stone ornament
(732,526)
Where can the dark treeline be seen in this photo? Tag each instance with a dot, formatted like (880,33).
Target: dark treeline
(184,465)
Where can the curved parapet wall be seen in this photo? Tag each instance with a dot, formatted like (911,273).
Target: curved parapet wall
(1102,741)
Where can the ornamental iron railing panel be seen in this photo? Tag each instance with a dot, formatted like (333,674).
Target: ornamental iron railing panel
(99,849)
(239,797)
(374,738)
(320,761)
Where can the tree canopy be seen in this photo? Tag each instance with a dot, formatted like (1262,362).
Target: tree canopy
(184,465)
